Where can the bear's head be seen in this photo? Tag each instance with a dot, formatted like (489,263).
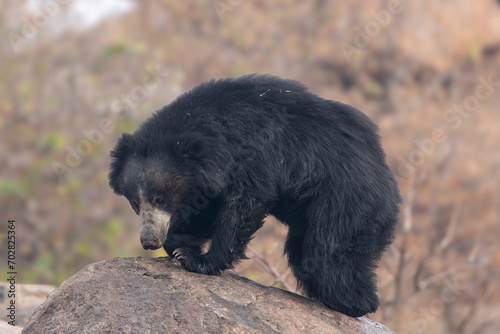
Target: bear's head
(160,180)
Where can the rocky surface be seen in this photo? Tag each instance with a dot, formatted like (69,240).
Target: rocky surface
(27,298)
(5,328)
(157,295)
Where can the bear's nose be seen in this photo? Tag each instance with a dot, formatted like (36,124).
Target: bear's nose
(149,242)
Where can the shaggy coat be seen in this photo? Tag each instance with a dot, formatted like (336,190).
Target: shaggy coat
(220,158)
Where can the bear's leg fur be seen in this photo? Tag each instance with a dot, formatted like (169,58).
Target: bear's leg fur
(235,225)
(343,281)
(333,260)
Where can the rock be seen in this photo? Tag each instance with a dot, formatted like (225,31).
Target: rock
(27,295)
(5,328)
(27,298)
(157,295)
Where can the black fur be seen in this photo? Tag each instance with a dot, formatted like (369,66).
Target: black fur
(235,150)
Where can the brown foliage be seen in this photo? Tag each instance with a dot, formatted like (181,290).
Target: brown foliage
(419,75)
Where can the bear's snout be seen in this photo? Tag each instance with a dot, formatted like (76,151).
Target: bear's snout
(154,227)
(149,241)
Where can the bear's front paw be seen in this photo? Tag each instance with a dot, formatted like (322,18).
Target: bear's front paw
(193,261)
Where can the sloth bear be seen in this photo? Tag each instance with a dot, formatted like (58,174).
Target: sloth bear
(211,165)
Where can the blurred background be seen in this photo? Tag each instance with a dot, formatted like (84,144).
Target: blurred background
(76,74)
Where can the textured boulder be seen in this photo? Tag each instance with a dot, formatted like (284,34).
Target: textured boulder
(156,295)
(5,328)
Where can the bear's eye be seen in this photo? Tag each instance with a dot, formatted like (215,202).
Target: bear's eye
(135,205)
(160,201)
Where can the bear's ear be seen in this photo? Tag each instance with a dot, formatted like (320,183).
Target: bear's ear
(191,149)
(119,156)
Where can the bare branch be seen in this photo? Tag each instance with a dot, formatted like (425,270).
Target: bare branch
(450,231)
(269,268)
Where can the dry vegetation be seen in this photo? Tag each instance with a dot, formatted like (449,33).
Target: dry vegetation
(440,276)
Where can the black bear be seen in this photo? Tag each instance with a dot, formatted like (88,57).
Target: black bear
(211,165)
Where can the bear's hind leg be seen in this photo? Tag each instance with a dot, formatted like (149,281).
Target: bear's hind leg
(340,277)
(333,255)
